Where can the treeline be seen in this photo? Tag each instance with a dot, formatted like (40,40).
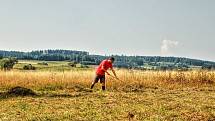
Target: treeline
(46,55)
(83,57)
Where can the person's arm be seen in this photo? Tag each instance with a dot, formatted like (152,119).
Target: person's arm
(114,73)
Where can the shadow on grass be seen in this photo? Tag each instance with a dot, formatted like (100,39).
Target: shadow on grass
(25,92)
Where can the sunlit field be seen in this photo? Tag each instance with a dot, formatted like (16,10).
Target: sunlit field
(138,95)
(134,79)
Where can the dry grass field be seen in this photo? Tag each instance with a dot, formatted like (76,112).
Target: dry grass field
(139,95)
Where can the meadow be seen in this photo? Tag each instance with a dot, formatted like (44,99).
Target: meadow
(63,94)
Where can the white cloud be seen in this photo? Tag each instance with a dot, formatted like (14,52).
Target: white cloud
(167,46)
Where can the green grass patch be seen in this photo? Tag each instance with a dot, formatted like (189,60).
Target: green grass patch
(150,105)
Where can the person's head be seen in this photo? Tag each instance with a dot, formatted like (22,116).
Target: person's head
(112,59)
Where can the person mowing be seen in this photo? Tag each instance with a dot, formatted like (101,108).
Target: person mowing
(101,70)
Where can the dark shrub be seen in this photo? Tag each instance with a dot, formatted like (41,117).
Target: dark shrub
(43,63)
(29,67)
(72,64)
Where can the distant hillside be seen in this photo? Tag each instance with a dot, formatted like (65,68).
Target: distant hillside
(143,62)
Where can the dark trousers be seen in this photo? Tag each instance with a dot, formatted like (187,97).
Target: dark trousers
(98,78)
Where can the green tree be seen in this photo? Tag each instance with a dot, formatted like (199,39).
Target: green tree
(8,63)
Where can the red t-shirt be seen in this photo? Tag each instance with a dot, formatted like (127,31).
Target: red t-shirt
(106,64)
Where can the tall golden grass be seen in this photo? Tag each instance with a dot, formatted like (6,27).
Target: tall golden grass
(129,79)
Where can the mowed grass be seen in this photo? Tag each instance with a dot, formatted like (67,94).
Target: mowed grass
(139,95)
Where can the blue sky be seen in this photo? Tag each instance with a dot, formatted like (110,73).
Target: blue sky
(134,27)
